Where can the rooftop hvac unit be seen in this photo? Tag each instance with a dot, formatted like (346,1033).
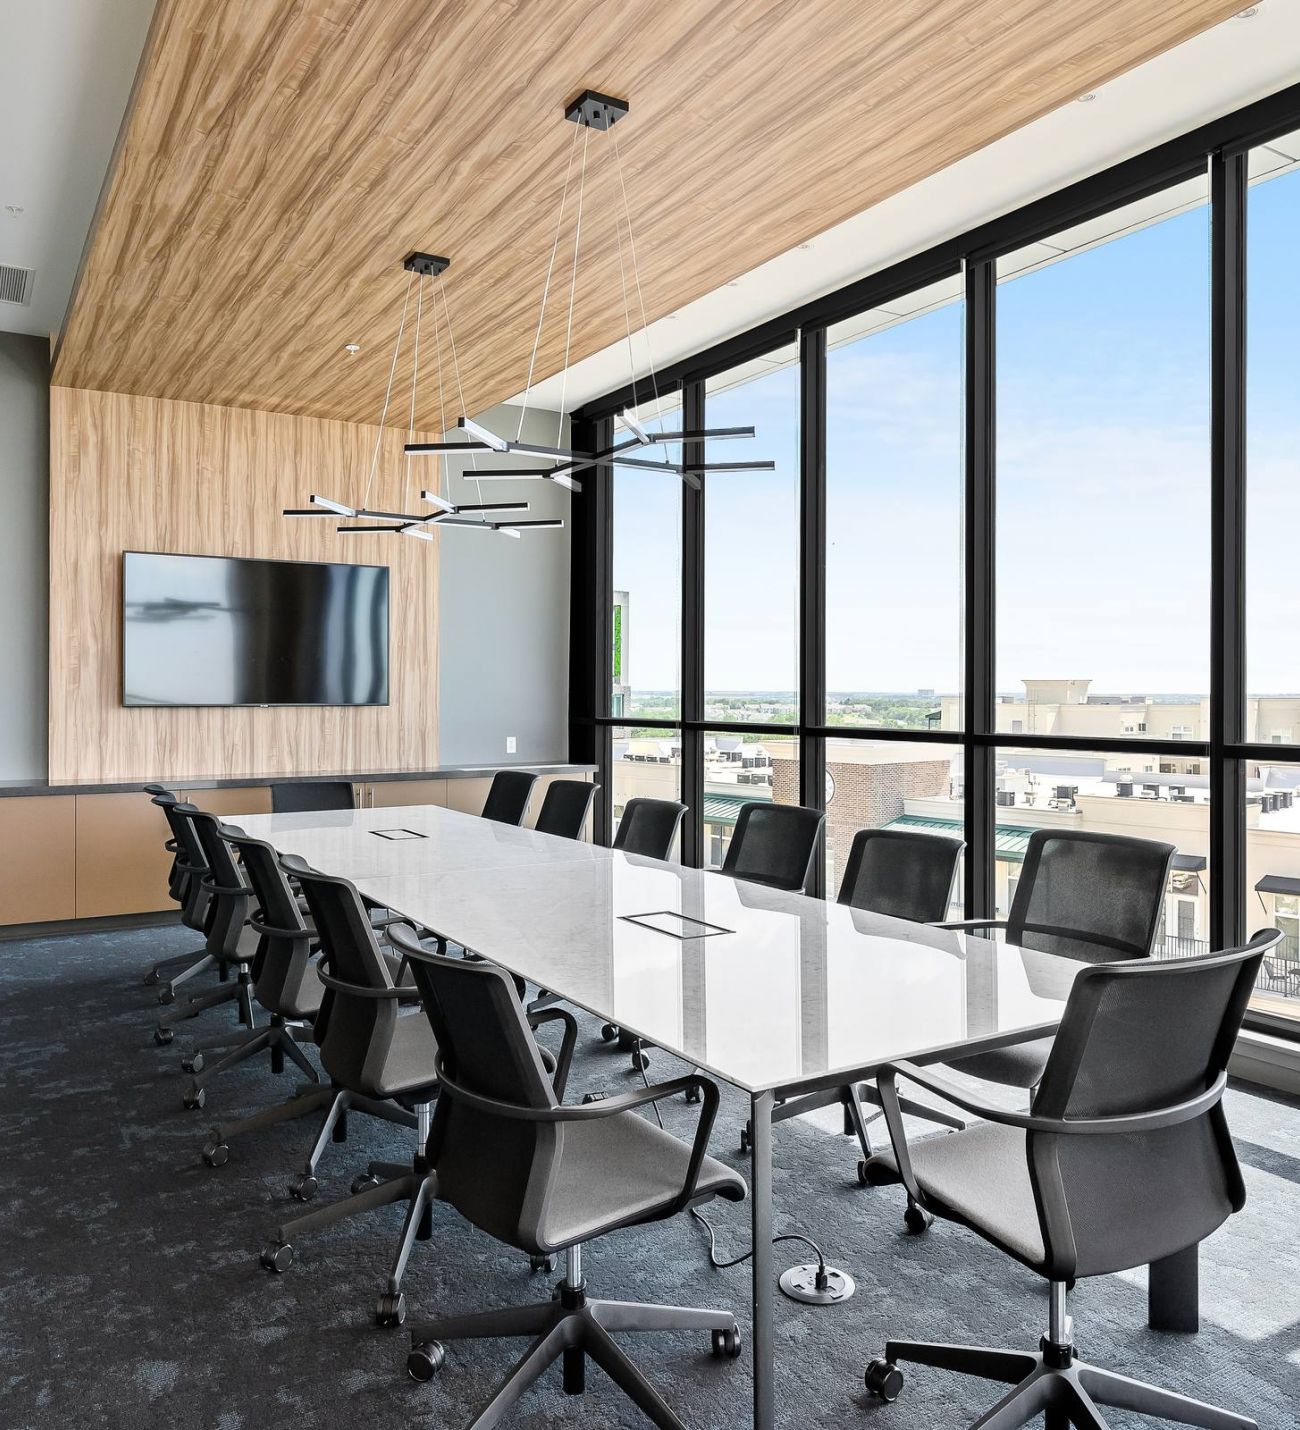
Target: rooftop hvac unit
(1124,789)
(1006,798)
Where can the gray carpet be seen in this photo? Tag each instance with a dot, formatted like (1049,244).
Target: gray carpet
(130,1294)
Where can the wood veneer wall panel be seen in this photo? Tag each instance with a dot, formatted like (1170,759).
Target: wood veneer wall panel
(132,473)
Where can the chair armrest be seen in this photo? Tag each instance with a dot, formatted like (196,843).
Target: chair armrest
(958,924)
(355,990)
(612,1107)
(259,925)
(1153,1121)
(565,1060)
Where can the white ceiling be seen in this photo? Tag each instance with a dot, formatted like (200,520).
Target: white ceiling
(1222,69)
(66,69)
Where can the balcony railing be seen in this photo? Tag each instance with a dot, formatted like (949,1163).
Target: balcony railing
(1279,974)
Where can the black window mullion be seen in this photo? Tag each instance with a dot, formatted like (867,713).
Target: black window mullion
(1228,188)
(812,578)
(693,632)
(591,577)
(979,539)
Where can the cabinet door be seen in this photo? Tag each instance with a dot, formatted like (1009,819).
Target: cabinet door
(247,799)
(37,869)
(121,860)
(387,793)
(467,795)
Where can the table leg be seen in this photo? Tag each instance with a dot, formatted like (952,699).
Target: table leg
(1173,1293)
(760,1202)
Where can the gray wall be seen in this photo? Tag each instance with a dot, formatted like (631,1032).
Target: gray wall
(503,626)
(24,554)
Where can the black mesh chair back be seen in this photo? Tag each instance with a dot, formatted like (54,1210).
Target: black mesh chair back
(1094,897)
(649,827)
(566,806)
(304,796)
(774,844)
(901,873)
(362,1023)
(1137,1037)
(225,885)
(192,867)
(161,797)
(282,967)
(507,799)
(493,1170)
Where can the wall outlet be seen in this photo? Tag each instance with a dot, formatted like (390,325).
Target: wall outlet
(511,744)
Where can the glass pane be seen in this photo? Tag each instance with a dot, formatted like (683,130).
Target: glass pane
(1273,445)
(740,770)
(1138,794)
(646,659)
(890,784)
(646,764)
(751,546)
(1103,446)
(894,482)
(1273,881)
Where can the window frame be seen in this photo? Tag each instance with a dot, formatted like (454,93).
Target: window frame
(1223,145)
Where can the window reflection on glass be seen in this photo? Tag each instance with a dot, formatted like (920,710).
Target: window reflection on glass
(741,770)
(751,545)
(648,765)
(1273,881)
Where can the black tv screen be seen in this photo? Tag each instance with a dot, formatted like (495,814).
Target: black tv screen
(216,630)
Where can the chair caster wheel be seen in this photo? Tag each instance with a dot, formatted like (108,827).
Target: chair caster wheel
(303,1187)
(864,1175)
(167,994)
(608,1033)
(744,1141)
(541,1263)
(163,1036)
(916,1220)
(151,978)
(390,1310)
(726,1344)
(363,1183)
(277,1256)
(194,1098)
(639,1062)
(216,1154)
(193,1063)
(425,1361)
(884,1379)
(692,1094)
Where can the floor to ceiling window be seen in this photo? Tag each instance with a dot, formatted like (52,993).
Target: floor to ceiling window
(1059,387)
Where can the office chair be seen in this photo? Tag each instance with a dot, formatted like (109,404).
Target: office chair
(648,828)
(508,796)
(306,796)
(565,808)
(1124,1159)
(177,889)
(774,844)
(284,983)
(546,1178)
(198,913)
(1094,897)
(905,875)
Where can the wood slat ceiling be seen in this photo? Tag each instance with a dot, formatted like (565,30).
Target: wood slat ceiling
(282,156)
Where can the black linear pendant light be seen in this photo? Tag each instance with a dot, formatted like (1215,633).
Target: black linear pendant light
(589,111)
(504,517)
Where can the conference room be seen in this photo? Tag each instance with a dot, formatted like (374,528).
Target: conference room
(650,724)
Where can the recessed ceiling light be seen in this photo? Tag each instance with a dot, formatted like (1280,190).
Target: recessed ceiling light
(1087,98)
(805,246)
(352,349)
(1248,13)
(735,283)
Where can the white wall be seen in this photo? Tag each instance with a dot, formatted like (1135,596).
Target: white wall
(24,554)
(504,614)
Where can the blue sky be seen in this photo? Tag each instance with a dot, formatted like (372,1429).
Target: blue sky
(1103,487)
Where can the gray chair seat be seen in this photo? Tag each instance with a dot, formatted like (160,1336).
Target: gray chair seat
(980,1177)
(618,1172)
(307,1000)
(1021,1065)
(410,1064)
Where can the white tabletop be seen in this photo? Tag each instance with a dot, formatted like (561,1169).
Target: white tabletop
(794,989)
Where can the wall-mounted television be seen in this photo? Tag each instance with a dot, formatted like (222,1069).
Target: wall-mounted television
(218,630)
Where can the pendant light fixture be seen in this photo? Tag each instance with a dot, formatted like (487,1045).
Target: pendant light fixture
(601,112)
(505,517)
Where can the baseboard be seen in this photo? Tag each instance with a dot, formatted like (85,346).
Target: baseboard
(1267,1060)
(62,928)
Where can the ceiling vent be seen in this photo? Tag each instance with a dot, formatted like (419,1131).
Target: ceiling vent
(16,284)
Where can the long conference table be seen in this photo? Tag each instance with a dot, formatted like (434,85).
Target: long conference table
(777,994)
